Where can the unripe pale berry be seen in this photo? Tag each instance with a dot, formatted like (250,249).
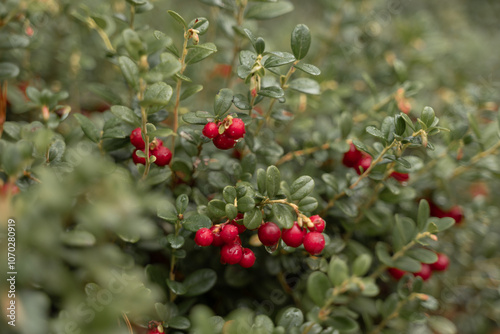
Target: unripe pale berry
(314,242)
(204,237)
(364,162)
(237,129)
(401,177)
(351,157)
(229,233)
(425,272)
(319,224)
(231,253)
(217,237)
(210,130)
(396,273)
(136,139)
(248,258)
(163,155)
(224,142)
(269,234)
(442,262)
(293,236)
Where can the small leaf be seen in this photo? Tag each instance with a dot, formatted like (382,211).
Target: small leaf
(201,24)
(125,114)
(278,59)
(301,187)
(308,204)
(408,264)
(190,91)
(252,219)
(441,224)
(133,43)
(194,118)
(343,323)
(422,255)
(283,215)
(199,52)
(317,287)
(157,94)
(89,129)
(305,85)
(272,92)
(261,180)
(308,68)
(273,179)
(223,101)
(8,71)
(178,18)
(179,322)
(300,41)
(423,215)
(400,125)
(177,287)
(260,45)
(269,10)
(337,271)
(428,116)
(167,211)
(175,242)
(216,208)
(383,254)
(362,264)
(199,282)
(375,132)
(291,318)
(181,203)
(130,71)
(246,203)
(196,221)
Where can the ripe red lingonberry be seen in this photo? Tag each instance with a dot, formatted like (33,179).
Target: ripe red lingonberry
(137,159)
(425,272)
(269,234)
(247,259)
(319,224)
(396,273)
(210,130)
(157,330)
(231,253)
(401,177)
(237,129)
(456,213)
(351,157)
(136,139)
(224,142)
(442,262)
(364,162)
(229,233)
(163,155)
(204,237)
(293,236)
(217,237)
(241,227)
(314,242)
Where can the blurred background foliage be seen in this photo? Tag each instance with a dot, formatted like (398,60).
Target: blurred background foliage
(89,223)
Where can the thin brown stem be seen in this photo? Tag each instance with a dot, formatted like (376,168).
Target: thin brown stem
(475,159)
(289,156)
(132,16)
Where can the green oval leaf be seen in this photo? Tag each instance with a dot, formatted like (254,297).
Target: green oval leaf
(196,221)
(268,10)
(317,287)
(305,85)
(89,129)
(273,179)
(252,219)
(301,41)
(199,282)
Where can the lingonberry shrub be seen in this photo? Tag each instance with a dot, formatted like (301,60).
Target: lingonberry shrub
(236,166)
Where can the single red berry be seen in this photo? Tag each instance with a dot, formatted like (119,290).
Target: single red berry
(248,258)
(436,211)
(401,177)
(425,272)
(365,162)
(217,237)
(319,224)
(224,142)
(314,242)
(229,233)
(231,253)
(237,129)
(163,155)
(204,237)
(293,236)
(269,234)
(136,139)
(211,130)
(456,213)
(396,273)
(156,330)
(241,227)
(137,159)
(351,157)
(442,262)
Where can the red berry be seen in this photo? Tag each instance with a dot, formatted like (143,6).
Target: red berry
(241,227)
(211,130)
(231,254)
(136,139)
(396,273)
(456,213)
(314,242)
(9,189)
(436,211)
(319,224)
(365,162)
(293,236)
(217,237)
(137,159)
(269,234)
(204,237)
(224,142)
(155,331)
(229,233)
(237,129)
(425,272)
(352,156)
(401,177)
(442,262)
(248,258)
(163,155)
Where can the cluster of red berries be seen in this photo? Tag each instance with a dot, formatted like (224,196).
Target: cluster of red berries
(227,237)
(225,134)
(313,241)
(454,212)
(361,161)
(156,148)
(425,272)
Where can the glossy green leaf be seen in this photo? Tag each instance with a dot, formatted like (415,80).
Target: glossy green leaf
(197,53)
(125,114)
(89,129)
(362,264)
(196,221)
(190,91)
(223,101)
(268,10)
(428,116)
(178,18)
(276,59)
(422,255)
(130,71)
(343,323)
(308,68)
(199,282)
(317,287)
(200,23)
(381,249)
(216,208)
(273,92)
(283,215)
(246,203)
(305,85)
(308,204)
(291,318)
(408,264)
(273,179)
(423,215)
(301,187)
(167,211)
(338,271)
(300,41)
(252,219)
